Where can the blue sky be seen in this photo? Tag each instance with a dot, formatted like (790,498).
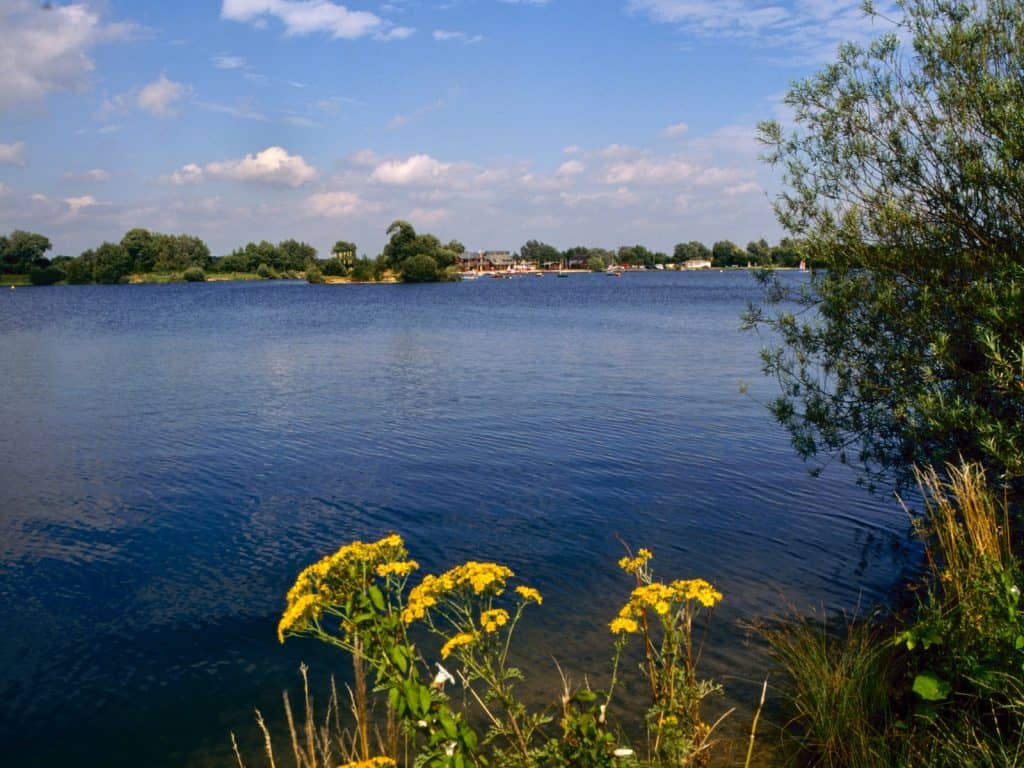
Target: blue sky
(594,122)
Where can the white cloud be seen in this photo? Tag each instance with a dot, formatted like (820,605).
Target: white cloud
(613,151)
(808,30)
(444,36)
(395,33)
(159,97)
(46,48)
(649,171)
(570,168)
(188,174)
(425,217)
(241,110)
(572,149)
(300,122)
(616,198)
(94,174)
(674,131)
(274,165)
(418,169)
(77,204)
(12,154)
(224,61)
(745,188)
(335,204)
(303,17)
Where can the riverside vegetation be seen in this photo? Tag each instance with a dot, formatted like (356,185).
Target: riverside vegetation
(142,256)
(465,619)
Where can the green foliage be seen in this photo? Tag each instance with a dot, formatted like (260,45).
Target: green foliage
(946,688)
(266,272)
(110,263)
(364,271)
(356,600)
(419,269)
(194,275)
(20,251)
(406,245)
(314,276)
(539,254)
(636,256)
(335,267)
(45,275)
(725,253)
(690,251)
(903,178)
(79,271)
(345,252)
(837,689)
(595,264)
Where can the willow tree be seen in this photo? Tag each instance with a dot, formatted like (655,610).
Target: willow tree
(904,174)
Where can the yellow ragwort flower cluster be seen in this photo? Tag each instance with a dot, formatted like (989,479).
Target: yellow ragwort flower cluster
(332,580)
(660,598)
(529,594)
(634,564)
(491,620)
(474,577)
(373,762)
(461,639)
(397,569)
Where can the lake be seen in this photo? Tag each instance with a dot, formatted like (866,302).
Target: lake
(174,454)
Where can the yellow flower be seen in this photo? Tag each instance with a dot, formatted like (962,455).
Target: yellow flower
(623,625)
(298,614)
(696,589)
(403,568)
(634,564)
(491,620)
(461,639)
(373,762)
(478,578)
(529,593)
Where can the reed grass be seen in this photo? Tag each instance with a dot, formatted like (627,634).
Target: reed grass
(315,743)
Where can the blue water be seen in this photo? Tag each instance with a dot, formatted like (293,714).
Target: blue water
(173,455)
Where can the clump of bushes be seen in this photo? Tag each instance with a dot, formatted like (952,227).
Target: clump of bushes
(266,272)
(45,275)
(194,275)
(419,269)
(941,686)
(314,276)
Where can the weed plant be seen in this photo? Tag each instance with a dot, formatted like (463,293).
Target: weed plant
(940,687)
(359,600)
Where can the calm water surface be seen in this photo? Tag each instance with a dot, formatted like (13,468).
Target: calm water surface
(173,455)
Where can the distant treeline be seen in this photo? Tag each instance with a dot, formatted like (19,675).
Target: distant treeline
(408,256)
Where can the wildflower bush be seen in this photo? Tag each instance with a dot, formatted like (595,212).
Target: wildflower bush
(360,600)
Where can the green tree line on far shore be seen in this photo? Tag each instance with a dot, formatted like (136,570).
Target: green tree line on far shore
(408,256)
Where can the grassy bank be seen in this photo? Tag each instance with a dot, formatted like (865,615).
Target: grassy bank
(941,685)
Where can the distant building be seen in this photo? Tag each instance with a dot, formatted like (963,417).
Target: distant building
(697,264)
(488,261)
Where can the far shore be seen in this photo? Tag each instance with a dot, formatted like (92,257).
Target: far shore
(152,278)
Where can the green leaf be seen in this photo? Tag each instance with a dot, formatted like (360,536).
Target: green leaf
(400,656)
(450,729)
(931,688)
(1019,643)
(424,699)
(377,597)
